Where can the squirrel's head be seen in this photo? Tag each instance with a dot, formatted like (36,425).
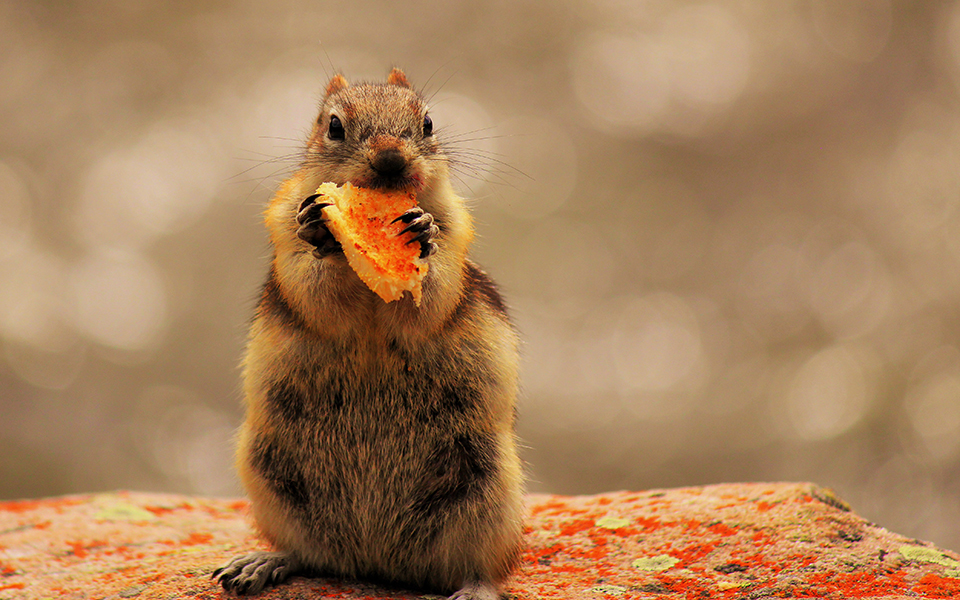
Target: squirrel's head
(375,135)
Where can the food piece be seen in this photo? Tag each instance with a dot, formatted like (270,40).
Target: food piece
(360,219)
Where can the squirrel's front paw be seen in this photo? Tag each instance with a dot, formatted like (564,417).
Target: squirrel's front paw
(422,226)
(313,228)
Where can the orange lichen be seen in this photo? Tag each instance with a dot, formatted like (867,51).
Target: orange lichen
(647,524)
(164,510)
(693,553)
(79,549)
(576,527)
(721,529)
(932,585)
(196,538)
(22,506)
(549,506)
(573,550)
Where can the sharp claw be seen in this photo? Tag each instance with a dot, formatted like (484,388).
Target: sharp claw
(303,215)
(425,223)
(306,201)
(409,215)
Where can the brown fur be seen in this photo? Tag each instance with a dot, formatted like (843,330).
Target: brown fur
(378,439)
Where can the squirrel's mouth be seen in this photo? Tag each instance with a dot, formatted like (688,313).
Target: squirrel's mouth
(390,182)
(389,168)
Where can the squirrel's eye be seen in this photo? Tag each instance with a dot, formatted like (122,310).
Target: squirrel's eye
(335,131)
(427,126)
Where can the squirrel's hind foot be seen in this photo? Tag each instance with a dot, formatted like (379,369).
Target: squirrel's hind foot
(476,590)
(250,573)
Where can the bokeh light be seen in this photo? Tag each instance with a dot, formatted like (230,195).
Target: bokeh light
(157,186)
(656,343)
(855,29)
(669,77)
(828,395)
(120,300)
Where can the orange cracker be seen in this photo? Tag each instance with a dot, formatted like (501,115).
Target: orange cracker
(360,219)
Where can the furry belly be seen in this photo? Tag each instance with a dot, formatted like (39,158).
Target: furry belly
(359,496)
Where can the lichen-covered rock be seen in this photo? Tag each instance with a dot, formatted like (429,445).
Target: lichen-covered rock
(724,541)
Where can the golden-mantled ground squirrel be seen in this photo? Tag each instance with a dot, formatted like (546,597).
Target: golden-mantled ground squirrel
(379,437)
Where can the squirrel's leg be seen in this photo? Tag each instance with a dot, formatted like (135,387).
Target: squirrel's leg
(476,590)
(252,572)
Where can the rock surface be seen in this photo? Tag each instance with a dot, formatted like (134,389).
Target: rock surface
(768,540)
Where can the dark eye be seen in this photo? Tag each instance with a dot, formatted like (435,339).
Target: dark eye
(427,126)
(335,131)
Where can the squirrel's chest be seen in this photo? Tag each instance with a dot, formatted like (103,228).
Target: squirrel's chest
(378,401)
(383,443)
(368,386)
(348,420)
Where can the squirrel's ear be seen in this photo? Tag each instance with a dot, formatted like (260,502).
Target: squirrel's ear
(397,77)
(336,84)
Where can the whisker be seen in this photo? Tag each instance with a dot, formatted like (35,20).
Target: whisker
(278,137)
(429,99)
(426,83)
(326,74)
(285,172)
(489,164)
(496,176)
(269,157)
(443,131)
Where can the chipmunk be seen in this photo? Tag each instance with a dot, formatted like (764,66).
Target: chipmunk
(379,440)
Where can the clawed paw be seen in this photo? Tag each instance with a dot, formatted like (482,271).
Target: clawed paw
(250,573)
(313,227)
(422,226)
(476,590)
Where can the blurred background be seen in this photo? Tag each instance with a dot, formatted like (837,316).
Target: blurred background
(729,231)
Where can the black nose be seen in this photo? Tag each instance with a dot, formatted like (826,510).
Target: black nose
(389,163)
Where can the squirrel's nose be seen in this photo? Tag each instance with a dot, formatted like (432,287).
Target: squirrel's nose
(389,163)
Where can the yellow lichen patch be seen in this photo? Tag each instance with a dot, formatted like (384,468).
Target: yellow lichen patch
(124,512)
(610,590)
(930,555)
(729,585)
(661,562)
(610,522)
